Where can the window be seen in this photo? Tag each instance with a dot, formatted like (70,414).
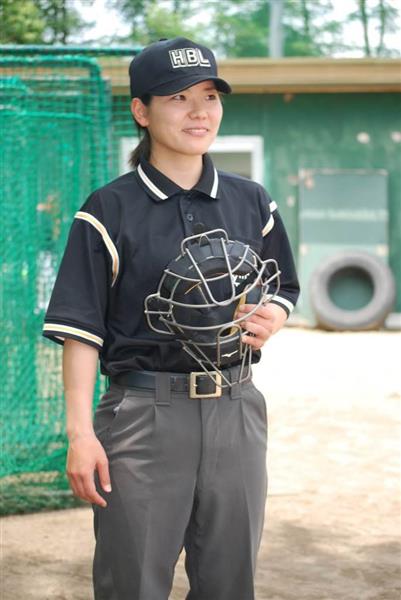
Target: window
(241,154)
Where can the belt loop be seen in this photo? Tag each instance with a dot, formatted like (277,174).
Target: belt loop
(236,388)
(236,391)
(163,395)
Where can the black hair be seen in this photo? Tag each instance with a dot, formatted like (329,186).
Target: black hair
(145,142)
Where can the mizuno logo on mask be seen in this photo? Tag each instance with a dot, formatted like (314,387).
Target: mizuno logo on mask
(188,57)
(238,279)
(229,354)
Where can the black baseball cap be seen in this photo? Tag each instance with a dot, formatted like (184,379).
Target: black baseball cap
(172,65)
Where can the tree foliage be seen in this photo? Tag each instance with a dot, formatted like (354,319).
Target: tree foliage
(240,28)
(21,22)
(154,19)
(236,28)
(380,16)
(62,20)
(309,30)
(233,28)
(39,21)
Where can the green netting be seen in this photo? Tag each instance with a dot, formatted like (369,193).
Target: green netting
(61,138)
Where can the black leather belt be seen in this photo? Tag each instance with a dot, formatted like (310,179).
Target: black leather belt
(196,384)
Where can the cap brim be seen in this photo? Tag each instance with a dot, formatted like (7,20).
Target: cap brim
(185,82)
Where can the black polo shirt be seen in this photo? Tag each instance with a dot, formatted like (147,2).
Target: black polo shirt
(122,238)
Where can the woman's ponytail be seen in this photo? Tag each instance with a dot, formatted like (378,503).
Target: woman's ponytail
(144,145)
(142,148)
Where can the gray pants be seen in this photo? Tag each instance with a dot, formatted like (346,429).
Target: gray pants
(184,472)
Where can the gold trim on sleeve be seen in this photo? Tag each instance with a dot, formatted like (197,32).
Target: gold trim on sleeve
(107,240)
(74,330)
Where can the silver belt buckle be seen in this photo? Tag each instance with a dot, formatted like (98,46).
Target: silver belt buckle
(193,385)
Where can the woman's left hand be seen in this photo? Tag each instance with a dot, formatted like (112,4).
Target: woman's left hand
(264,322)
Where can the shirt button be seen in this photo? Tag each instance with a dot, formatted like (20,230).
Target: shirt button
(190,217)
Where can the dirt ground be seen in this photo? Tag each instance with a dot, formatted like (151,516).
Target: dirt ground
(332,527)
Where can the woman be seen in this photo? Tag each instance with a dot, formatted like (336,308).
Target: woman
(163,467)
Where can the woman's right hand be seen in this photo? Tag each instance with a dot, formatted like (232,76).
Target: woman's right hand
(85,455)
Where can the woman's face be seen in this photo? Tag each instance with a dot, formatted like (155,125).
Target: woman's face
(185,123)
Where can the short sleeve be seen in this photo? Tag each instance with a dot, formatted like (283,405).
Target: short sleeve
(276,245)
(78,303)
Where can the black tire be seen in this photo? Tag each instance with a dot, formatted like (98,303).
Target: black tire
(370,316)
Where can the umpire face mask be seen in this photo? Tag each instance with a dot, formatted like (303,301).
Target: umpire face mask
(199,293)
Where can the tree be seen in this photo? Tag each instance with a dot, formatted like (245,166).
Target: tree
(310,29)
(21,22)
(364,20)
(234,28)
(155,19)
(376,15)
(39,21)
(239,28)
(62,20)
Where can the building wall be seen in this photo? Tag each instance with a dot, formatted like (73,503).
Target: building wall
(310,131)
(320,131)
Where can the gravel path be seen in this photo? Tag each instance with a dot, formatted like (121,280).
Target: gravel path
(332,527)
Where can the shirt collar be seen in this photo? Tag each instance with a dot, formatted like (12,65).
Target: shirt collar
(160,187)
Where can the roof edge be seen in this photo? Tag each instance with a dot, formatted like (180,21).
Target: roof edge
(291,74)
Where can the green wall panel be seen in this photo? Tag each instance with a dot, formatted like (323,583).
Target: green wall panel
(309,131)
